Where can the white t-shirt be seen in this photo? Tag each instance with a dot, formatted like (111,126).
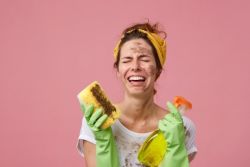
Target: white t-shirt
(129,142)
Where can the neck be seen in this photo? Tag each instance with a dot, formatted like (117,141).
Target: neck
(138,107)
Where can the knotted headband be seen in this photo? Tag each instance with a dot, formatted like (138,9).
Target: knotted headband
(155,39)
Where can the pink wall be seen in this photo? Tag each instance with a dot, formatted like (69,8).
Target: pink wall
(50,49)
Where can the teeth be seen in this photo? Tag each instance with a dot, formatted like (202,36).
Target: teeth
(136,78)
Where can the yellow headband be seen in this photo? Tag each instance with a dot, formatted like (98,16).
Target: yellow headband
(157,41)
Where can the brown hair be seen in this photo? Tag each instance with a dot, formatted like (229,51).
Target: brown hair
(132,32)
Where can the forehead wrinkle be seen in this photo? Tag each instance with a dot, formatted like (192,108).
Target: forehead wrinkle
(138,43)
(140,50)
(137,46)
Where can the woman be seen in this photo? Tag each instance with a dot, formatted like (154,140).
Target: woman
(139,58)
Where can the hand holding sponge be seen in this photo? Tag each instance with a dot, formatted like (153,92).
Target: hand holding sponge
(100,114)
(93,97)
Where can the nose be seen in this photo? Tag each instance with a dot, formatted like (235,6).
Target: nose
(135,65)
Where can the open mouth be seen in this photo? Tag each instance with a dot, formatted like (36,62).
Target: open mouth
(136,79)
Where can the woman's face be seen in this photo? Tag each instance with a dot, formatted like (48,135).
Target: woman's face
(137,67)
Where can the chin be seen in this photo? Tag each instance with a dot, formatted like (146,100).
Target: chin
(139,91)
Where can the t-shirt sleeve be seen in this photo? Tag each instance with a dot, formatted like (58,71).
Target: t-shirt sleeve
(85,134)
(190,135)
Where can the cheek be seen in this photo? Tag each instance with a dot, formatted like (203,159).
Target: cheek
(123,68)
(120,72)
(152,70)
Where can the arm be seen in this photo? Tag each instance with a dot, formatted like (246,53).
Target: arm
(105,147)
(191,156)
(173,129)
(98,147)
(89,153)
(190,134)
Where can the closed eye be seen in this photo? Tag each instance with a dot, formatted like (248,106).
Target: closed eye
(145,58)
(126,59)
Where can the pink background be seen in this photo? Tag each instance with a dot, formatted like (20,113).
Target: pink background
(51,49)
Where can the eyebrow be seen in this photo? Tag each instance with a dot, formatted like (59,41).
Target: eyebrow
(126,57)
(144,55)
(130,57)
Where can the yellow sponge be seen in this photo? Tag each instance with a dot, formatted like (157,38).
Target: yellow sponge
(94,94)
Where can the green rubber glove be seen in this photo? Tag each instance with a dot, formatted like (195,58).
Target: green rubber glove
(173,130)
(106,151)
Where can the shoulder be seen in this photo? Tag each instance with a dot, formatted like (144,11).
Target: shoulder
(161,112)
(190,133)
(189,126)
(188,122)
